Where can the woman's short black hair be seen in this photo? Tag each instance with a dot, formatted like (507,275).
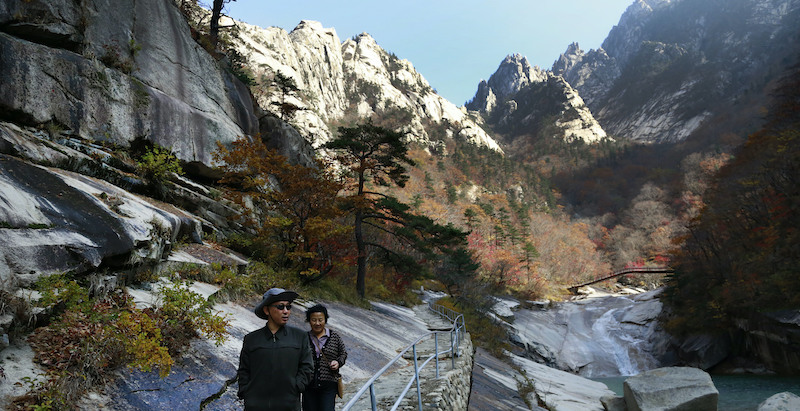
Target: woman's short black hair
(319,308)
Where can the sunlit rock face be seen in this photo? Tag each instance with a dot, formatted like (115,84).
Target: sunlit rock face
(590,73)
(344,82)
(513,74)
(522,101)
(117,76)
(624,39)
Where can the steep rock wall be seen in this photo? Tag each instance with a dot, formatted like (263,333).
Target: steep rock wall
(54,221)
(116,70)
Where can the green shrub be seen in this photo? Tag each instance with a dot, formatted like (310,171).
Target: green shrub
(234,287)
(143,342)
(58,291)
(183,312)
(81,347)
(157,164)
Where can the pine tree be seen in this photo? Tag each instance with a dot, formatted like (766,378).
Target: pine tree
(373,155)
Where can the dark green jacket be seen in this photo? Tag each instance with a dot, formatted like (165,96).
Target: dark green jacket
(274,369)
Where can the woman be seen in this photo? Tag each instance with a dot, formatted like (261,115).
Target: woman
(329,355)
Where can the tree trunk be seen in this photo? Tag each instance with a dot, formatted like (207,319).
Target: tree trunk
(216,13)
(362,255)
(361,260)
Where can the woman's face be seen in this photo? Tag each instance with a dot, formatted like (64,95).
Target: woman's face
(317,321)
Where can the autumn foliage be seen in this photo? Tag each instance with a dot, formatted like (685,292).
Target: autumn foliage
(291,210)
(741,253)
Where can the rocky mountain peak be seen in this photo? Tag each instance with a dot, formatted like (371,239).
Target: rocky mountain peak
(624,38)
(552,107)
(521,100)
(313,27)
(513,74)
(669,67)
(568,59)
(343,82)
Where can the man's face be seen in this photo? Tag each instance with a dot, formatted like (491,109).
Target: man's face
(278,312)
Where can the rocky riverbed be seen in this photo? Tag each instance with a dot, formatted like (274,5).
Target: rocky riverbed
(605,335)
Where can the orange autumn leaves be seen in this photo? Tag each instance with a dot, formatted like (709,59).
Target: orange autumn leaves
(292,209)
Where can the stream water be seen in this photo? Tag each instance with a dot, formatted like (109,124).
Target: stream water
(622,346)
(736,392)
(603,338)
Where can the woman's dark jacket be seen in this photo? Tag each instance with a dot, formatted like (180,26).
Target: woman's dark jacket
(332,350)
(274,369)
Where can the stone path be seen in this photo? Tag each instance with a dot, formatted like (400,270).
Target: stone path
(393,382)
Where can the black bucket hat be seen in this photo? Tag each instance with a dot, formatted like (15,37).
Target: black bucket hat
(272,295)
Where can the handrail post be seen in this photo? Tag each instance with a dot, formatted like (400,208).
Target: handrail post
(416,375)
(372,397)
(458,340)
(452,350)
(436,351)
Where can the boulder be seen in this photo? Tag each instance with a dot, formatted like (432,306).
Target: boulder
(55,221)
(613,403)
(560,390)
(704,350)
(671,388)
(504,307)
(784,401)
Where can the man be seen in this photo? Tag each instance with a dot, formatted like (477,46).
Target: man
(275,364)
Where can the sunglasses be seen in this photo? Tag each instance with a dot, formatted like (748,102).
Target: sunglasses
(282,307)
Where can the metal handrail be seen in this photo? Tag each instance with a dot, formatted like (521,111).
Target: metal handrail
(456,334)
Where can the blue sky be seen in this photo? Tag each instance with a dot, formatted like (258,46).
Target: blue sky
(452,43)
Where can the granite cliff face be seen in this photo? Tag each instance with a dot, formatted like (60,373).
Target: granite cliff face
(343,82)
(591,73)
(115,77)
(76,82)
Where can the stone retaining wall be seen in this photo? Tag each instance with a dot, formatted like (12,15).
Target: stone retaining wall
(451,391)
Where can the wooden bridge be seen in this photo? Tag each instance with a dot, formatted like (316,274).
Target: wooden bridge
(632,270)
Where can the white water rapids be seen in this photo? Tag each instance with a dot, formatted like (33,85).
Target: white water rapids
(625,347)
